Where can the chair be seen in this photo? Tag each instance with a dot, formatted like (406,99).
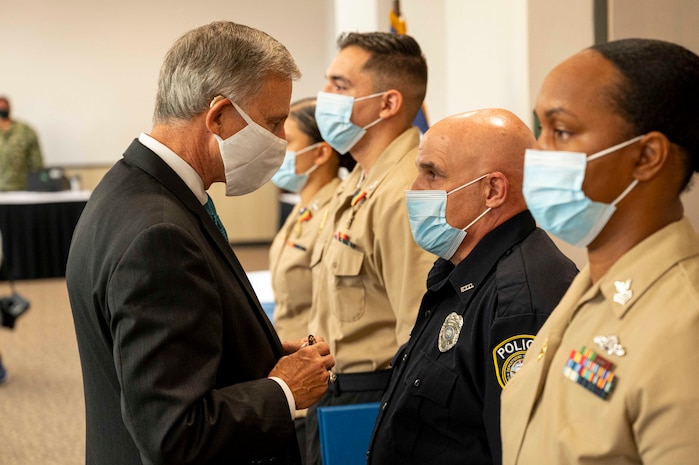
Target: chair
(345,432)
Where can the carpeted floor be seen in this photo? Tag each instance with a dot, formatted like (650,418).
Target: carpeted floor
(41,403)
(42,412)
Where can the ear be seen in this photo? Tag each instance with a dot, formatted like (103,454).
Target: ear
(653,157)
(496,188)
(214,114)
(391,103)
(323,153)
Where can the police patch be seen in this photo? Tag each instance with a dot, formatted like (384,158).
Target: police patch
(508,356)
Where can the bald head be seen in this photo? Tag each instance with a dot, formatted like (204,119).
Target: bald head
(480,142)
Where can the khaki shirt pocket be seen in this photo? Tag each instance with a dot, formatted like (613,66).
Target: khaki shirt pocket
(349,296)
(299,288)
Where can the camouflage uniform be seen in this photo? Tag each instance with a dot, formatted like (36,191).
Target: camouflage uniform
(19,154)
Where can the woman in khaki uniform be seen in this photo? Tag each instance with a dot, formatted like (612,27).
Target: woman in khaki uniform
(610,378)
(310,169)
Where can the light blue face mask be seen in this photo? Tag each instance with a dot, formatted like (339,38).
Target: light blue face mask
(286,178)
(552,188)
(333,114)
(428,222)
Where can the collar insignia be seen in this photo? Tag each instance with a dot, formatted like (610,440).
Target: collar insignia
(623,291)
(467,287)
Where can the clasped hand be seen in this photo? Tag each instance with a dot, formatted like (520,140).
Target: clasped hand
(305,369)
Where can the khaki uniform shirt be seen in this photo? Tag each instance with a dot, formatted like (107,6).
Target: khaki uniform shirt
(19,154)
(369,274)
(643,318)
(289,262)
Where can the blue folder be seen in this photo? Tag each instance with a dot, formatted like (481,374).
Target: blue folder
(345,432)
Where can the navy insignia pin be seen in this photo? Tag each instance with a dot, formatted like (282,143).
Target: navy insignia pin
(508,356)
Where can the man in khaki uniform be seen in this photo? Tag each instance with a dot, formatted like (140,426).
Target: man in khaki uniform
(610,377)
(368,272)
(19,150)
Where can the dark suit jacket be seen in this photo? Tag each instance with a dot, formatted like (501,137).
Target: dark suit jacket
(174,346)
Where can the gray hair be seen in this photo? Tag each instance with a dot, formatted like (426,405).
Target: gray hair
(221,58)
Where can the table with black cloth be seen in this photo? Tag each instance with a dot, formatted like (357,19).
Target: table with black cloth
(37,228)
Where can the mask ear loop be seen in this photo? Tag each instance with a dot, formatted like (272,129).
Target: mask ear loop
(378,120)
(625,193)
(370,96)
(307,149)
(467,184)
(311,169)
(477,218)
(242,113)
(614,148)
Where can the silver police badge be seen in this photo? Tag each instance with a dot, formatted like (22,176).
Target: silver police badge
(449,334)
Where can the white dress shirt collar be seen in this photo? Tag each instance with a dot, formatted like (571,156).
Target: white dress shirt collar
(178,165)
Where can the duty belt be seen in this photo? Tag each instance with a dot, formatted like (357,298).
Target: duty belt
(360,382)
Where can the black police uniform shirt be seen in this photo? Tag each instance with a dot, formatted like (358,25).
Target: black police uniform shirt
(442,405)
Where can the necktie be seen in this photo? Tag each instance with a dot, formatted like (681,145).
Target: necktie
(211,210)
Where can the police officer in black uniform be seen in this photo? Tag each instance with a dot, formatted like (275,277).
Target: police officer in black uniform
(496,281)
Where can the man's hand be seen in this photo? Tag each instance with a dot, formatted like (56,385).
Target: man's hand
(305,370)
(292,346)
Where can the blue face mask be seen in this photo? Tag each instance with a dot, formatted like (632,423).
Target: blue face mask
(552,188)
(286,178)
(428,222)
(333,114)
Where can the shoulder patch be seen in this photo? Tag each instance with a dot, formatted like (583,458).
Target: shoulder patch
(508,356)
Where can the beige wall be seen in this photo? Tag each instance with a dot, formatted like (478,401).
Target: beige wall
(673,20)
(84,73)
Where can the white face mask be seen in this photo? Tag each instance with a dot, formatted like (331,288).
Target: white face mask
(251,156)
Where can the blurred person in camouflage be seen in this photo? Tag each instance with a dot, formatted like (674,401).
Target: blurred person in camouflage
(19,150)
